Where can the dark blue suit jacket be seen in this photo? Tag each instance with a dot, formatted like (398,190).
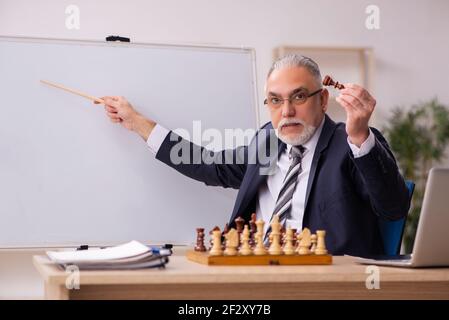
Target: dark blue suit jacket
(345,195)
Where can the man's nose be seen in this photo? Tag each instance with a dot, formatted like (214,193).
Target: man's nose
(288,110)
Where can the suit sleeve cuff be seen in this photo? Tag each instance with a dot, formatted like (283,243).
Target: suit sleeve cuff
(156,138)
(365,148)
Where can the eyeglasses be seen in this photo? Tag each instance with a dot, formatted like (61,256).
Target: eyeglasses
(296,99)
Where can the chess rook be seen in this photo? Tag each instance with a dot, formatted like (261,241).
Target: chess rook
(200,240)
(321,244)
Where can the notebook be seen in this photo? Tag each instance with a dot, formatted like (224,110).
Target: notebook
(131,255)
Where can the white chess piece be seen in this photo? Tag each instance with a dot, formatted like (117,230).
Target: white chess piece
(245,249)
(232,242)
(216,244)
(260,247)
(313,239)
(275,246)
(321,243)
(288,242)
(305,242)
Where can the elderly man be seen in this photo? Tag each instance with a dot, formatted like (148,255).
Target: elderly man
(333,176)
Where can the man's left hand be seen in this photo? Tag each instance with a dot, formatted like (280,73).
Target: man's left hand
(359,105)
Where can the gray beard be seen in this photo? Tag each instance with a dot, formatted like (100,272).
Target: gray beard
(302,138)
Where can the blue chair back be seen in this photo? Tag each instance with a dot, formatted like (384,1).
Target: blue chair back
(392,231)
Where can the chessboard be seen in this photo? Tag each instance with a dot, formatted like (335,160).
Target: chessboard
(252,245)
(240,260)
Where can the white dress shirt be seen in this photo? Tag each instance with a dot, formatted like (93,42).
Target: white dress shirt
(269,190)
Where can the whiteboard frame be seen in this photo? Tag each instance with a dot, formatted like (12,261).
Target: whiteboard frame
(160,45)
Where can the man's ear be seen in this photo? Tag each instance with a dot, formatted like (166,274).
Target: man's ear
(324,99)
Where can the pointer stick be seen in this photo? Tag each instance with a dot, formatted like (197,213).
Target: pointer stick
(55,85)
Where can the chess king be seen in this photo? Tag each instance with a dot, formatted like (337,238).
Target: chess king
(340,177)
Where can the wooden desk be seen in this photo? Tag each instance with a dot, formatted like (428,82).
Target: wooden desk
(183,279)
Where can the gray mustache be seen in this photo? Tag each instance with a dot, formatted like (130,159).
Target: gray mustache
(287,122)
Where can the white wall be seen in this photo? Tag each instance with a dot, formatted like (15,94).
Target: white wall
(411,48)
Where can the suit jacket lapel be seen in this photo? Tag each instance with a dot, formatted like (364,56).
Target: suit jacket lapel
(253,179)
(326,134)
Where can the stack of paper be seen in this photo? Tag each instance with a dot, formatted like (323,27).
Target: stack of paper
(132,255)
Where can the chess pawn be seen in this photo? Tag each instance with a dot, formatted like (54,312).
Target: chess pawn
(260,247)
(275,245)
(304,242)
(232,242)
(245,248)
(200,240)
(313,239)
(216,249)
(321,243)
(289,249)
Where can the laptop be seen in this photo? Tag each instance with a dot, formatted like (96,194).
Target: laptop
(431,248)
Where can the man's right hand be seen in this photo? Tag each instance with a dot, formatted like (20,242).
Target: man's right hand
(119,110)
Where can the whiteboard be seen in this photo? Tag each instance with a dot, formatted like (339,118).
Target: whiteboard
(68,176)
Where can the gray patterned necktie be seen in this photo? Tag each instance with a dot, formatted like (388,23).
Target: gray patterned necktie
(284,200)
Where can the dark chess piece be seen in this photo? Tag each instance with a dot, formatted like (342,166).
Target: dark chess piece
(328,81)
(282,235)
(294,237)
(223,238)
(239,224)
(200,240)
(252,230)
(226,229)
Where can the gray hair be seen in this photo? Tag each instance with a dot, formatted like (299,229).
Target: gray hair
(297,60)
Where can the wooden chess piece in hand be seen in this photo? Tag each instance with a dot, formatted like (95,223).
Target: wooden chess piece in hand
(328,81)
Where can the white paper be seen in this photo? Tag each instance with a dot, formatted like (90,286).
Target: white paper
(127,250)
